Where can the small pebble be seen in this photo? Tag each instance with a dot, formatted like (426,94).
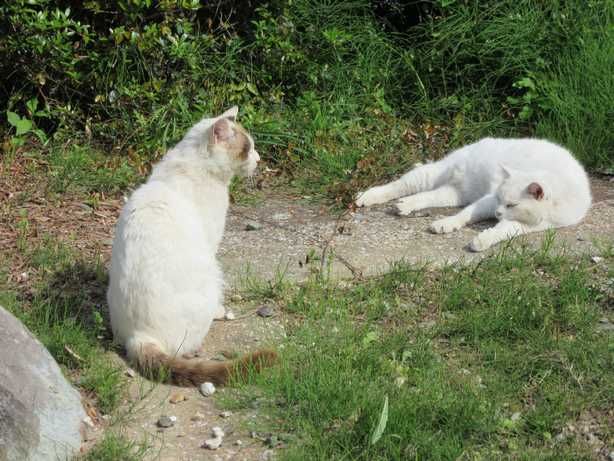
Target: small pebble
(207,389)
(166,421)
(253,226)
(265,311)
(213,444)
(238,443)
(226,414)
(217,432)
(580,238)
(177,397)
(596,259)
(88,421)
(229,315)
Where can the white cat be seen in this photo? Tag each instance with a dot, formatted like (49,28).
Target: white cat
(165,284)
(529,185)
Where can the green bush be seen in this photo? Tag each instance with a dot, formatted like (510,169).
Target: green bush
(323,85)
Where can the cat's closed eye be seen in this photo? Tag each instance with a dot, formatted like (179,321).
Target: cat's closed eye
(511,205)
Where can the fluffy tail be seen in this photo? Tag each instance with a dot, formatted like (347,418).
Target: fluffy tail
(194,372)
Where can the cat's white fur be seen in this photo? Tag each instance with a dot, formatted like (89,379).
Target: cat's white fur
(165,284)
(528,184)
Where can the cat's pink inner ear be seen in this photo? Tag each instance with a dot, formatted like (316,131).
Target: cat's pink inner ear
(536,191)
(222,131)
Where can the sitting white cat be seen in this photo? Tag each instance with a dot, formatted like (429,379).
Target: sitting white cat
(529,185)
(165,284)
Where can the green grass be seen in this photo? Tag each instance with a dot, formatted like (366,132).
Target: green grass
(81,168)
(485,361)
(115,447)
(576,97)
(65,308)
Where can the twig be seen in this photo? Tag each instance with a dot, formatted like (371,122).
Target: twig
(73,354)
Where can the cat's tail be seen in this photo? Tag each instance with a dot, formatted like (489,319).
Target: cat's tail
(151,357)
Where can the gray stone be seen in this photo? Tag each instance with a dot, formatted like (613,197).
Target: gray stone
(207,389)
(40,413)
(265,311)
(165,421)
(253,226)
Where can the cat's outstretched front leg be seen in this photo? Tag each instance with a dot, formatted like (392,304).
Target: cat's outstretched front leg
(381,194)
(504,230)
(420,179)
(484,208)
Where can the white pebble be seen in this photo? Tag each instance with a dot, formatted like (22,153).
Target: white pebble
(226,414)
(173,418)
(88,421)
(596,259)
(229,315)
(213,444)
(207,389)
(217,432)
(238,443)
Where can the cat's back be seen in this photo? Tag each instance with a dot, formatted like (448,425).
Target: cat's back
(156,212)
(159,234)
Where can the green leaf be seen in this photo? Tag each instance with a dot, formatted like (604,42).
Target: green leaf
(13,118)
(381,425)
(32,104)
(23,126)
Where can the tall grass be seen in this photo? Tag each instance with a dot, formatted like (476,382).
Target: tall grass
(578,93)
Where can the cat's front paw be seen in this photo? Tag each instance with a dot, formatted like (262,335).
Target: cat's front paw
(479,244)
(445,226)
(368,197)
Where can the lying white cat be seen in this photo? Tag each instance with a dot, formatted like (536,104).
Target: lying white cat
(165,284)
(529,185)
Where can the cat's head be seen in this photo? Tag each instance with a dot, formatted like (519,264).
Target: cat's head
(230,145)
(522,197)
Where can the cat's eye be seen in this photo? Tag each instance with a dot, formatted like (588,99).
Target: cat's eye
(511,205)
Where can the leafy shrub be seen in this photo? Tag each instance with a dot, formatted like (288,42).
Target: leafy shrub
(320,83)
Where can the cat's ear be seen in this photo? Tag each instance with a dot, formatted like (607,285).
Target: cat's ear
(536,191)
(231,113)
(221,131)
(505,171)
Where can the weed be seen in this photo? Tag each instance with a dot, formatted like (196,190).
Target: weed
(505,366)
(115,447)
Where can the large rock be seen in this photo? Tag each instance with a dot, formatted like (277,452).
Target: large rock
(40,413)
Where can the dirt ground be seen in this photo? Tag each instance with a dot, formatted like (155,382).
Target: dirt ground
(294,233)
